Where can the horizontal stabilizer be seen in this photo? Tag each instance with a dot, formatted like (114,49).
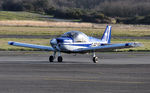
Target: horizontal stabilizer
(48,48)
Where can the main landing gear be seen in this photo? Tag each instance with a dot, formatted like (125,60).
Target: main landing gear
(52,57)
(95,59)
(60,59)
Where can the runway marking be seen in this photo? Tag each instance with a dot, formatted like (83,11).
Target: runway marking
(86,80)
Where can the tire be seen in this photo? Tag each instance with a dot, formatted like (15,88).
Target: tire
(95,59)
(51,58)
(60,59)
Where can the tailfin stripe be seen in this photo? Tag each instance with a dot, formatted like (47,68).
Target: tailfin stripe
(107,35)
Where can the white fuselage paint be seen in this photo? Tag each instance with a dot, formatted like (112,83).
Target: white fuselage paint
(71,47)
(67,47)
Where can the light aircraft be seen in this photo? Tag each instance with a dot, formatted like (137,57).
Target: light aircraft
(78,42)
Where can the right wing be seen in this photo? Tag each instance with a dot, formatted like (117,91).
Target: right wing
(109,47)
(48,48)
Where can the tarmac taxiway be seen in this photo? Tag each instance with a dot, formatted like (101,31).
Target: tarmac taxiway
(30,72)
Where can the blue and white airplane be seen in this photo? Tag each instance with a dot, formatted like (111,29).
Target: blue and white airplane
(78,42)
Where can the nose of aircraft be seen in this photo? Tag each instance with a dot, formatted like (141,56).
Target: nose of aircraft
(53,41)
(56,41)
(60,40)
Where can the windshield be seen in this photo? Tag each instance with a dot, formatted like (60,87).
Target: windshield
(76,36)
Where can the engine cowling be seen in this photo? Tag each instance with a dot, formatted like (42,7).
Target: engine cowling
(53,41)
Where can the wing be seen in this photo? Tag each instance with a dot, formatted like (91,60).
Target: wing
(48,48)
(109,47)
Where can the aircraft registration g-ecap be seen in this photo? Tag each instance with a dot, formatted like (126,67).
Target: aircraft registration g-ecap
(78,42)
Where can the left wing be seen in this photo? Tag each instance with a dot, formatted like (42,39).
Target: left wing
(109,47)
(48,48)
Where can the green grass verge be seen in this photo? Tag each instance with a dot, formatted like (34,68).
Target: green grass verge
(7,15)
(11,30)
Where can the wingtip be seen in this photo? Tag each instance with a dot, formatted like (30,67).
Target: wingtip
(135,44)
(10,42)
(139,44)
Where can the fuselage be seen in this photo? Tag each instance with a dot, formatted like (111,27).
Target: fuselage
(68,43)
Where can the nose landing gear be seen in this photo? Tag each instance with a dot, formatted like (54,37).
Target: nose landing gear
(95,59)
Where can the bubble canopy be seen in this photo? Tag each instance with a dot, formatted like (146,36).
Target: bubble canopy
(77,36)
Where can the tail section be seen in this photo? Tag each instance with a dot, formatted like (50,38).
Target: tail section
(106,38)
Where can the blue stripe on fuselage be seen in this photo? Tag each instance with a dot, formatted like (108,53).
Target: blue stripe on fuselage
(64,40)
(84,45)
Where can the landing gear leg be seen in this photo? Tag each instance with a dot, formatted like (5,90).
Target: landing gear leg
(52,57)
(95,59)
(60,59)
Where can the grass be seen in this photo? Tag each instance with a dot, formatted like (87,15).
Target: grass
(43,30)
(131,32)
(22,15)
(32,23)
(25,23)
(8,15)
(97,32)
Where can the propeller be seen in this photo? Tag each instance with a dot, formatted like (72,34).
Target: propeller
(55,43)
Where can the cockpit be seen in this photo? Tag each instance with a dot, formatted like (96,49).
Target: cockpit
(76,36)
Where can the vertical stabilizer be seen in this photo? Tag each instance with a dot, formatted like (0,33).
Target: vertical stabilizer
(106,38)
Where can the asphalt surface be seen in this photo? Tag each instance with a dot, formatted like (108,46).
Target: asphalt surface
(30,72)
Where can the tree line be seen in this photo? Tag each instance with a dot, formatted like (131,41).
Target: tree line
(87,10)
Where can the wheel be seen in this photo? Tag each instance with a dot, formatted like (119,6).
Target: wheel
(51,58)
(60,59)
(95,59)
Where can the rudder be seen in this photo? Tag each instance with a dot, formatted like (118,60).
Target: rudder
(106,38)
